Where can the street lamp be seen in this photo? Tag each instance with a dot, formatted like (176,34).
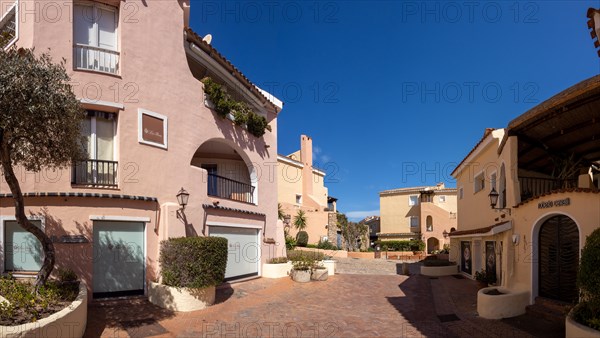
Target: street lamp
(445,234)
(494,200)
(182,199)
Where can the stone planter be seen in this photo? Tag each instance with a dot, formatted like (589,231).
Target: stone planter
(319,274)
(68,322)
(300,276)
(330,265)
(575,330)
(497,302)
(439,271)
(443,256)
(181,299)
(276,270)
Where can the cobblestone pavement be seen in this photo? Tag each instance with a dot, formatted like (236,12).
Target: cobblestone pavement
(346,305)
(361,266)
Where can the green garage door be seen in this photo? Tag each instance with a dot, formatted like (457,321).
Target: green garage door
(119,259)
(243,257)
(23,252)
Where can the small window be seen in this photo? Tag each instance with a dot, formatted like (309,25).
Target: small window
(493,181)
(8,27)
(414,221)
(442,198)
(298,199)
(479,182)
(413,200)
(460,193)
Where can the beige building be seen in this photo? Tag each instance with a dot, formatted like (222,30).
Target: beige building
(528,197)
(301,186)
(427,213)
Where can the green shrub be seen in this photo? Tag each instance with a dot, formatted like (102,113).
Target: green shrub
(303,263)
(297,255)
(66,275)
(25,306)
(394,245)
(326,245)
(416,245)
(588,281)
(312,246)
(302,238)
(290,242)
(193,262)
(277,260)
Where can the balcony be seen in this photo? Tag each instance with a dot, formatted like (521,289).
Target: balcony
(96,59)
(535,186)
(223,187)
(96,173)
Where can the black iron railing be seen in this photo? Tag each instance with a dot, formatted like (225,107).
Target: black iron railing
(224,187)
(96,173)
(535,186)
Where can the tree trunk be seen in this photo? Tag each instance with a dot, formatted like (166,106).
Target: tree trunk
(15,189)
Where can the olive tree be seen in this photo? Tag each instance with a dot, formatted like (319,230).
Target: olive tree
(352,232)
(40,121)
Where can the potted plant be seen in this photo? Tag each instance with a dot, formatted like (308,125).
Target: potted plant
(319,272)
(301,269)
(484,278)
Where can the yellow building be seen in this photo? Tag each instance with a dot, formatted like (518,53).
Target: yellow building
(301,186)
(427,213)
(528,197)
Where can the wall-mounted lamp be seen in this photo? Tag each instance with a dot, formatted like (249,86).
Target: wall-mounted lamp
(445,233)
(515,239)
(494,200)
(182,199)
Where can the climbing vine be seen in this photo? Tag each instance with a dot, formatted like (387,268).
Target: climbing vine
(243,115)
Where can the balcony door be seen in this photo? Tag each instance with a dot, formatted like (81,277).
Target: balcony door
(98,130)
(212,179)
(95,37)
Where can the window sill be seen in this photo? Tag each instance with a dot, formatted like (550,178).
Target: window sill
(85,70)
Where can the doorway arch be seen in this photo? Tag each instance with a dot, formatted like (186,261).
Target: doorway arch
(558,258)
(432,244)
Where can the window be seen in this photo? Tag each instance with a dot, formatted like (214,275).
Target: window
(429,223)
(152,128)
(413,200)
(442,198)
(9,31)
(460,193)
(298,199)
(493,181)
(98,129)
(95,37)
(23,252)
(414,221)
(479,182)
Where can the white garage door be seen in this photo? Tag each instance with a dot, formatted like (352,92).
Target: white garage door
(243,257)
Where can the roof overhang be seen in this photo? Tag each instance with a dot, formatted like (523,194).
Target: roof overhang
(594,24)
(488,136)
(567,124)
(483,232)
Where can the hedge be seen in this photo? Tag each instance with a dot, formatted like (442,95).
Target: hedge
(302,238)
(411,245)
(588,280)
(296,255)
(193,262)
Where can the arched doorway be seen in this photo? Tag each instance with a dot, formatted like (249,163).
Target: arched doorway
(558,259)
(432,244)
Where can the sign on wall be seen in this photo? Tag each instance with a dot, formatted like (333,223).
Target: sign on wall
(465,257)
(152,128)
(490,258)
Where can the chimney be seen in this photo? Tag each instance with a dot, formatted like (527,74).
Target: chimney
(306,154)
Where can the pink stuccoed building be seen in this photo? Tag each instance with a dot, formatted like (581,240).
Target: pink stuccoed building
(136,67)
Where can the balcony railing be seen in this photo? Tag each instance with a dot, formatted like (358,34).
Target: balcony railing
(96,59)
(224,187)
(95,173)
(535,186)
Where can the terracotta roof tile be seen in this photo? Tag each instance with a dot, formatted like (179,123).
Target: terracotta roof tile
(476,231)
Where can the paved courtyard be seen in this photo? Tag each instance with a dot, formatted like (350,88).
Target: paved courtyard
(366,299)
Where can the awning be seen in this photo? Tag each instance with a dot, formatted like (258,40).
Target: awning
(485,231)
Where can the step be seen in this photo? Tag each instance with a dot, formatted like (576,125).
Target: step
(549,309)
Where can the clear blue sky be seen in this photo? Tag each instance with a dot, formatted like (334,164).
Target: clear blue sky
(395,94)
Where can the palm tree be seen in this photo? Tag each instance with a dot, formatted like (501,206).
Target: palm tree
(300,220)
(280,213)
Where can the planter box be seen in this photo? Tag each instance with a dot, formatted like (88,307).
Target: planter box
(300,276)
(68,322)
(319,274)
(276,270)
(438,271)
(575,330)
(330,265)
(181,299)
(509,304)
(443,256)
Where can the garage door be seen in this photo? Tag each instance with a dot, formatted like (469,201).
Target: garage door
(243,257)
(119,259)
(23,252)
